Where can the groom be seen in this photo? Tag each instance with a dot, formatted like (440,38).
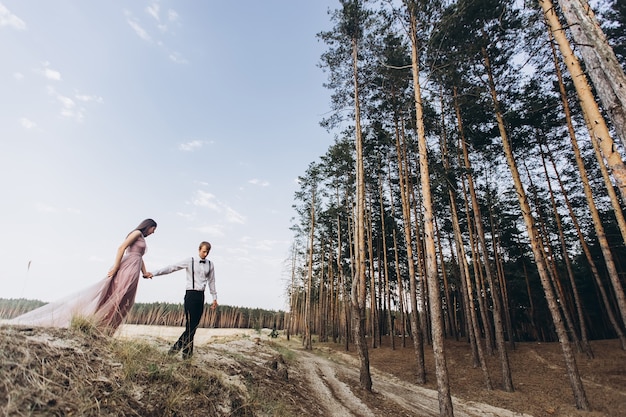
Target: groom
(200,272)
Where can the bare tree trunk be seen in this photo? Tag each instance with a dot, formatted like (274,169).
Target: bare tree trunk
(418,342)
(431,273)
(584,338)
(536,246)
(551,265)
(483,309)
(373,310)
(322,303)
(359,287)
(399,279)
(447,319)
(383,227)
(595,216)
(507,380)
(473,327)
(418,295)
(348,300)
(292,291)
(307,312)
(601,63)
(589,54)
(501,279)
(595,121)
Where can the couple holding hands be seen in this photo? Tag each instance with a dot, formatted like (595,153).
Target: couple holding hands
(108,302)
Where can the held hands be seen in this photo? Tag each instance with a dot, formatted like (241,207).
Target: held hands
(214,305)
(148,275)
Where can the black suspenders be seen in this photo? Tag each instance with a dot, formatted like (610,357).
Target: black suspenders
(193,274)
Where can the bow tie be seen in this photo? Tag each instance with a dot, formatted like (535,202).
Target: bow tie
(202,261)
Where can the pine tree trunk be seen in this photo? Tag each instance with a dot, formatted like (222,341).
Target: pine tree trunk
(480,289)
(394,236)
(431,273)
(373,296)
(359,285)
(383,226)
(418,342)
(473,326)
(538,252)
(552,269)
(507,380)
(584,338)
(501,279)
(308,314)
(595,121)
(595,216)
(602,65)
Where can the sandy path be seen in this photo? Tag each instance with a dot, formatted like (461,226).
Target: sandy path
(329,378)
(129,331)
(414,399)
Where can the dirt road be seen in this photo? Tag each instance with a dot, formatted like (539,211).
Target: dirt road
(319,382)
(335,385)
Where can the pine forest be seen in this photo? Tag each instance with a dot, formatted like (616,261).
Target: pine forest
(475,189)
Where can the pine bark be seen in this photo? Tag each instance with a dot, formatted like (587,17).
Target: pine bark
(602,65)
(595,216)
(596,123)
(538,252)
(308,314)
(431,273)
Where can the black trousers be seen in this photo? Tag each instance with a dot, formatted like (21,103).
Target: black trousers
(194,307)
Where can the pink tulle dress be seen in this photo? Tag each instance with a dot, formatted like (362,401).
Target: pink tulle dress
(106,303)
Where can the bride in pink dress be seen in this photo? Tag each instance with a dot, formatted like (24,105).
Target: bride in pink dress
(107,302)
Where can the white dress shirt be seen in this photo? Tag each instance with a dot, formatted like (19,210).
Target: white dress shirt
(199,274)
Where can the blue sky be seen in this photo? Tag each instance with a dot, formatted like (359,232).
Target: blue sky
(199,114)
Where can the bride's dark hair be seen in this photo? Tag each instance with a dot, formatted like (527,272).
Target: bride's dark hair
(145,225)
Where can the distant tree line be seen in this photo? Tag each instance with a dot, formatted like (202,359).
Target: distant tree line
(168,314)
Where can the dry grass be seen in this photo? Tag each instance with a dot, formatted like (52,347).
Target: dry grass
(77,371)
(82,372)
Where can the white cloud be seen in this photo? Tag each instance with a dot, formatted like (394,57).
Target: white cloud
(69,108)
(172,16)
(18,76)
(208,200)
(9,19)
(52,74)
(66,102)
(260,183)
(190,146)
(49,73)
(141,32)
(233,216)
(175,57)
(153,10)
(88,98)
(27,124)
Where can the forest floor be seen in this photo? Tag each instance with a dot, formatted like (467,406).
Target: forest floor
(540,381)
(238,372)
